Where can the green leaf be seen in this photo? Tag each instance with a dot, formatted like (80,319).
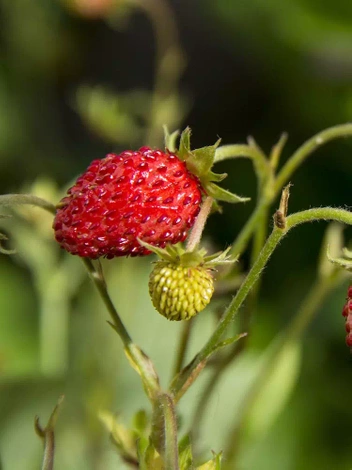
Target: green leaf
(227,342)
(223,195)
(213,464)
(185,453)
(275,390)
(153,459)
(121,436)
(115,118)
(140,422)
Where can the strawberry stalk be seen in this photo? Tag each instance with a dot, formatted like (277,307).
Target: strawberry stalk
(198,227)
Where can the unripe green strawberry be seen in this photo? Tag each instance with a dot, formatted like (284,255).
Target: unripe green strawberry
(181,283)
(179,292)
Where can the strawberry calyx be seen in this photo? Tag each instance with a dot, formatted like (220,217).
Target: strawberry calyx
(181,284)
(178,255)
(199,162)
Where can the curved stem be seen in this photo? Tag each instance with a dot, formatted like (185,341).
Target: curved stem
(28,199)
(100,284)
(261,164)
(326,213)
(138,359)
(343,130)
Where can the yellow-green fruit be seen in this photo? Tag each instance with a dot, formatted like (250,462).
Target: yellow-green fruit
(179,292)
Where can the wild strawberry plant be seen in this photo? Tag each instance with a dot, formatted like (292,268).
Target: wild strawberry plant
(151,201)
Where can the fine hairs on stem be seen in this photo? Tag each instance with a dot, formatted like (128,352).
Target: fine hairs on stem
(163,430)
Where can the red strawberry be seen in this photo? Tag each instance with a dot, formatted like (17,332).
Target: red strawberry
(347,313)
(148,194)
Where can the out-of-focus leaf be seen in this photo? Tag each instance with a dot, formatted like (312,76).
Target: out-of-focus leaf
(185,453)
(276,389)
(121,436)
(140,422)
(213,464)
(113,117)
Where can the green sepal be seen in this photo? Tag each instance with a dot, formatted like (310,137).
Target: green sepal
(216,177)
(220,258)
(185,144)
(170,139)
(223,195)
(203,159)
(199,162)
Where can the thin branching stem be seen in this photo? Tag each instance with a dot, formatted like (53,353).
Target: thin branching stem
(310,215)
(100,284)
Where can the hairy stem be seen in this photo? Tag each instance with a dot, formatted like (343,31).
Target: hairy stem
(343,130)
(28,199)
(310,215)
(164,430)
(100,284)
(139,361)
(261,164)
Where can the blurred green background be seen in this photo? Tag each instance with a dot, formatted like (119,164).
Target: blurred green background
(79,78)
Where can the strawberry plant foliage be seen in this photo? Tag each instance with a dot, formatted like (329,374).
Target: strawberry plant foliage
(151,201)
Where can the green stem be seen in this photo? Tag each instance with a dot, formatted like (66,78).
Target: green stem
(326,213)
(19,199)
(139,361)
(49,450)
(183,345)
(319,291)
(198,227)
(343,130)
(171,449)
(100,284)
(261,164)
(164,430)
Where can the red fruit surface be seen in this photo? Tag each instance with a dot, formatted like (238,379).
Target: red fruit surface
(147,194)
(349,292)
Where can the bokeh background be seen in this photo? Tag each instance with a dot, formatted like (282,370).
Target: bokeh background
(79,78)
